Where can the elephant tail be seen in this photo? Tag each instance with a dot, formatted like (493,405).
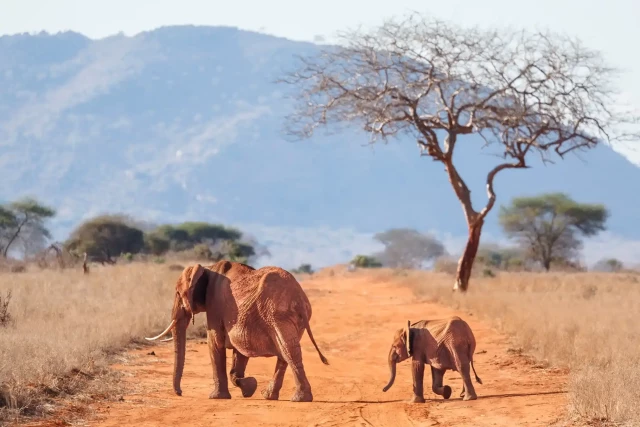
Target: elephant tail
(478,380)
(324,359)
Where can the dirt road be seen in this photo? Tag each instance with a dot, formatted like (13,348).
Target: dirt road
(353,322)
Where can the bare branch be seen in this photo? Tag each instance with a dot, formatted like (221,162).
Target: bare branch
(520,92)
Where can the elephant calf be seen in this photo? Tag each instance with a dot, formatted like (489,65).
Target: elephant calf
(444,344)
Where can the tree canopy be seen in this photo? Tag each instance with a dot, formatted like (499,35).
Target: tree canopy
(521,93)
(106,236)
(24,221)
(407,248)
(109,236)
(548,226)
(188,234)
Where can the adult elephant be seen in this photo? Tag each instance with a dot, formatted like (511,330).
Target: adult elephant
(257,313)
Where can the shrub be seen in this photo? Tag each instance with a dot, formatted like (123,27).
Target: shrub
(303,269)
(202,252)
(5,316)
(365,261)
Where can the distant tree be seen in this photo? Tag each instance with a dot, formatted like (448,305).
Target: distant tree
(8,222)
(32,241)
(303,269)
(188,234)
(365,261)
(548,226)
(503,258)
(104,237)
(24,218)
(609,264)
(236,251)
(524,94)
(408,248)
(202,252)
(156,244)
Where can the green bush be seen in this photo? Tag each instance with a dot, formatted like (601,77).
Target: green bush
(365,261)
(303,269)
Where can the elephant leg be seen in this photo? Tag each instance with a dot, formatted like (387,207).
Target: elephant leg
(248,385)
(437,378)
(272,392)
(218,354)
(417,371)
(288,341)
(469,391)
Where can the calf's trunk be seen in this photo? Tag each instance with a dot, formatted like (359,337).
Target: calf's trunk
(392,368)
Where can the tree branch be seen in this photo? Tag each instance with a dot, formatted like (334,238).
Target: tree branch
(490,191)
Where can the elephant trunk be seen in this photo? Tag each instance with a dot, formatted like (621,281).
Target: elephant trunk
(179,345)
(393,358)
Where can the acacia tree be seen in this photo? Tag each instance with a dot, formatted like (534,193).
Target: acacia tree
(548,225)
(522,93)
(407,248)
(24,219)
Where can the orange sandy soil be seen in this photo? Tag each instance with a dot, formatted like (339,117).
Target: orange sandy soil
(353,322)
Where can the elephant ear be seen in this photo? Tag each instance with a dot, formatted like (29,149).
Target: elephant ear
(187,283)
(409,338)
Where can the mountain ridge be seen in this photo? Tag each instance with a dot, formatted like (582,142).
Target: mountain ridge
(185,122)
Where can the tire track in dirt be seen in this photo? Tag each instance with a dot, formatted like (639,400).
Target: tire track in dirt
(353,321)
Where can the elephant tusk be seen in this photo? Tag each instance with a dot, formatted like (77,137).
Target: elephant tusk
(163,333)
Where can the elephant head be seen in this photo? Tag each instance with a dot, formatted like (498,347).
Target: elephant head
(189,300)
(400,351)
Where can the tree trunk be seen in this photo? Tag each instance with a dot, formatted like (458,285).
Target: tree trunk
(465,265)
(11,240)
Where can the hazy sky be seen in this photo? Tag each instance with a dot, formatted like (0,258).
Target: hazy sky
(612,26)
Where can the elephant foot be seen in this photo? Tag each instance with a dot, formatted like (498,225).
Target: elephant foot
(217,394)
(270,395)
(302,396)
(417,399)
(248,386)
(469,396)
(446,392)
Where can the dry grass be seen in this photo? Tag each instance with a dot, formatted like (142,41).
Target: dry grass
(66,325)
(587,322)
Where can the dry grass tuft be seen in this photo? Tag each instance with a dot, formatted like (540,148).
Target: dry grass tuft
(66,325)
(586,322)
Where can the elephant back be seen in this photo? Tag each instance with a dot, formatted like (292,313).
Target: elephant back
(274,293)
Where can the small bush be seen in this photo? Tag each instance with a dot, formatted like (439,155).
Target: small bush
(202,252)
(159,260)
(487,272)
(445,265)
(303,269)
(176,267)
(18,268)
(5,316)
(127,256)
(365,261)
